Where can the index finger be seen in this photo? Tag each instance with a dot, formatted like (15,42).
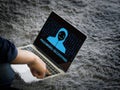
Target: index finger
(48,72)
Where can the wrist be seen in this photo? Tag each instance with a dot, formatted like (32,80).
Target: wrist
(33,61)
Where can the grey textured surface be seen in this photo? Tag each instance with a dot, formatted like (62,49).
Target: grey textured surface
(97,65)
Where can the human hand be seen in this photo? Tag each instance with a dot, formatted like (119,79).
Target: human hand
(38,68)
(36,65)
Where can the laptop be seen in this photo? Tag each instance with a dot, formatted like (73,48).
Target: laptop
(57,44)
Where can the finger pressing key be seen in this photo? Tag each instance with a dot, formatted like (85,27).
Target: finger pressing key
(48,72)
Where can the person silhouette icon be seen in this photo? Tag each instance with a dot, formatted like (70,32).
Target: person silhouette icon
(58,40)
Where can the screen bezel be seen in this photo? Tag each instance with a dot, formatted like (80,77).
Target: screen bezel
(69,27)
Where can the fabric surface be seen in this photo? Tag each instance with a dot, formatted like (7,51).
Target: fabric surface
(8,52)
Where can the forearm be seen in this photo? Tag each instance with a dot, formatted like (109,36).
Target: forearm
(24,57)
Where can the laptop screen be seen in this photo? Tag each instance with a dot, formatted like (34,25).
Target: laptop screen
(60,41)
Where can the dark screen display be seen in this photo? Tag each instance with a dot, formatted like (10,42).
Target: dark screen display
(59,41)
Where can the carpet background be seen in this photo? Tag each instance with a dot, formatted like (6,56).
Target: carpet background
(97,65)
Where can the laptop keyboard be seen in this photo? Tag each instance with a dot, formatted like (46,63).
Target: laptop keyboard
(52,69)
